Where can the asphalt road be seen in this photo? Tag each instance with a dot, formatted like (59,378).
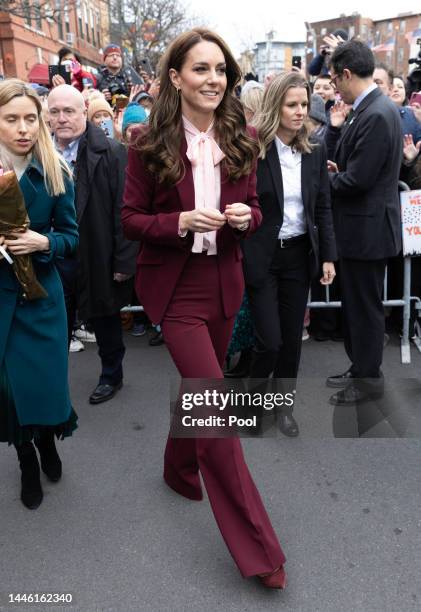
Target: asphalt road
(347,511)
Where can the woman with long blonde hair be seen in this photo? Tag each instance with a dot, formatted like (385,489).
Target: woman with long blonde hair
(34,396)
(295,239)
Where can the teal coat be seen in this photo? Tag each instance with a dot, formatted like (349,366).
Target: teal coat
(33,335)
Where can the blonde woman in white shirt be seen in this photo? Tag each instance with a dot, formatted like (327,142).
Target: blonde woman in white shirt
(295,240)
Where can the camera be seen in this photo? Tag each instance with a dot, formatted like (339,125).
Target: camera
(414,78)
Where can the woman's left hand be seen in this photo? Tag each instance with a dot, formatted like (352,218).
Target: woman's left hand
(328,273)
(238,215)
(27,242)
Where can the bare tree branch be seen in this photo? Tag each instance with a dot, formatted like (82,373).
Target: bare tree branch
(33,9)
(146,27)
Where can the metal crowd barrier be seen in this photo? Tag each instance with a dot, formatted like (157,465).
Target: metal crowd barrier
(405,302)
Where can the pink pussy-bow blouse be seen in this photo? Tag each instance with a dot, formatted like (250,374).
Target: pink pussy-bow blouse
(205,157)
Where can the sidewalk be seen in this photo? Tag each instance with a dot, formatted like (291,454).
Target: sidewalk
(347,511)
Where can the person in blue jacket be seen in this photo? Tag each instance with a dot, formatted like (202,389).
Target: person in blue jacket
(34,395)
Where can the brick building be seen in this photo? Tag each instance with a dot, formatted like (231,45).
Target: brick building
(25,41)
(392,40)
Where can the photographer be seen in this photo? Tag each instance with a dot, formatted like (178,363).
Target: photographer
(319,63)
(113,78)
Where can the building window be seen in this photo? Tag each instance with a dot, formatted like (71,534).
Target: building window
(59,20)
(351,32)
(364,30)
(389,26)
(79,20)
(37,11)
(66,17)
(400,54)
(27,12)
(323,32)
(402,25)
(98,28)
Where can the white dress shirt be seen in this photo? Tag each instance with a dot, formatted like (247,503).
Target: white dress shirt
(294,223)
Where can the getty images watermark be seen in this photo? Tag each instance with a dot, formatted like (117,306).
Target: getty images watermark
(220,408)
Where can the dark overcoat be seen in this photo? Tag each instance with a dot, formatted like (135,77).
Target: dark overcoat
(103,249)
(33,334)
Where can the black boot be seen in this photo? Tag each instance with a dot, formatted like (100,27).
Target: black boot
(242,369)
(50,460)
(31,493)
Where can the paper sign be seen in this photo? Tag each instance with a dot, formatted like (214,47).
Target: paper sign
(411,221)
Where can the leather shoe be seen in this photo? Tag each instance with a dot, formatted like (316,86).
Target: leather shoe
(104,392)
(288,425)
(352,395)
(275,580)
(340,380)
(157,339)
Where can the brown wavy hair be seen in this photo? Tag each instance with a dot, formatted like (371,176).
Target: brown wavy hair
(268,119)
(160,144)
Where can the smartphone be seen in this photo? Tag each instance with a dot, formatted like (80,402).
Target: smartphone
(63,71)
(87,82)
(296,61)
(146,65)
(415,98)
(108,127)
(121,103)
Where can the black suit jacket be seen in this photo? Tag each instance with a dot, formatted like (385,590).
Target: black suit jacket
(258,250)
(365,199)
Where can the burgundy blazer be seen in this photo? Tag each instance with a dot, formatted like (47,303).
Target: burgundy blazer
(150,214)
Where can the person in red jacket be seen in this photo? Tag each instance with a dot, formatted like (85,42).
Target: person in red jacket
(190,197)
(80,78)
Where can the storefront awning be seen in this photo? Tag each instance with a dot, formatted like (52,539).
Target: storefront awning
(39,74)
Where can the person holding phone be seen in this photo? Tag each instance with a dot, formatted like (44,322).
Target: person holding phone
(35,403)
(189,276)
(79,78)
(410,124)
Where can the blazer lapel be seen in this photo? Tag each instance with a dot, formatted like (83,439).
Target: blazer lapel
(306,172)
(276,172)
(185,187)
(347,128)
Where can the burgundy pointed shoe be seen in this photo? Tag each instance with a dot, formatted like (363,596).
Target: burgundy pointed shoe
(275,580)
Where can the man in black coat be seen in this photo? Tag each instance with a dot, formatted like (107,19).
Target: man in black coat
(97,284)
(366,213)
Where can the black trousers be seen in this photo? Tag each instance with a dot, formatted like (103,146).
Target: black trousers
(362,292)
(107,329)
(277,310)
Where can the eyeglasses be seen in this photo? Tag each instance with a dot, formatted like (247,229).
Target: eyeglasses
(334,79)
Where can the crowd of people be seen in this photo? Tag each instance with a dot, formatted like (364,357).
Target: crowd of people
(218,213)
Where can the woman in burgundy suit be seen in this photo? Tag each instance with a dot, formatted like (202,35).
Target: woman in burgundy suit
(190,197)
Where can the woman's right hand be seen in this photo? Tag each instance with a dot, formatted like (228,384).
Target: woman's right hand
(201,220)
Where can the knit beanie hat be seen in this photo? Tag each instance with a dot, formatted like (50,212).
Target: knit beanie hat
(99,104)
(134,113)
(317,109)
(111,48)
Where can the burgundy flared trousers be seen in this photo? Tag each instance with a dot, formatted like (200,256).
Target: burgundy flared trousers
(197,335)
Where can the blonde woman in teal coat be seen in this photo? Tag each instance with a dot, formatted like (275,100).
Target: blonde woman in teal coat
(34,396)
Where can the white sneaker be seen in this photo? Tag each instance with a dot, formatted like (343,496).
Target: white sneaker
(76,345)
(306,335)
(83,334)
